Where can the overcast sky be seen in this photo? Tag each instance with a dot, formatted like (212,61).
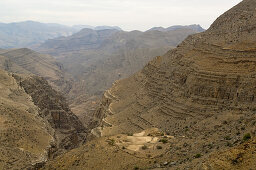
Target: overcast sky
(128,14)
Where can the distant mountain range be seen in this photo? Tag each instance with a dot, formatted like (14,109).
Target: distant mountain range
(80,27)
(31,33)
(103,56)
(194,27)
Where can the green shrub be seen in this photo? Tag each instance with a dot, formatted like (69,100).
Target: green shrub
(163,140)
(247,136)
(111,142)
(210,146)
(227,138)
(229,144)
(198,155)
(159,147)
(144,147)
(136,168)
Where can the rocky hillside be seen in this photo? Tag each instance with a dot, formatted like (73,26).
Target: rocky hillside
(26,61)
(200,95)
(97,58)
(69,132)
(25,136)
(241,157)
(37,123)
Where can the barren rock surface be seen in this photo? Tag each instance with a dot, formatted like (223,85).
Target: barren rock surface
(202,93)
(25,137)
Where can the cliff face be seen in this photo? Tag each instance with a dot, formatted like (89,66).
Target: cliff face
(203,90)
(25,137)
(69,131)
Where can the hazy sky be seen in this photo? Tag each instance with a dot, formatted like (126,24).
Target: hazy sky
(128,14)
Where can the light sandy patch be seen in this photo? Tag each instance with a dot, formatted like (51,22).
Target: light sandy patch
(136,142)
(143,144)
(2,121)
(139,134)
(134,147)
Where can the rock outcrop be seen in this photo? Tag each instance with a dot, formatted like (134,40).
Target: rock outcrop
(69,132)
(25,137)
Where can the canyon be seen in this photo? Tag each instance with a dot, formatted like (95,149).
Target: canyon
(169,98)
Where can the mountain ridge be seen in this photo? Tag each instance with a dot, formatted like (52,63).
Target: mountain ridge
(194,27)
(32,33)
(97,58)
(201,93)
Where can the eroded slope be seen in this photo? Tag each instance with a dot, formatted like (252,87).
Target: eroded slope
(26,61)
(24,136)
(69,132)
(96,58)
(203,90)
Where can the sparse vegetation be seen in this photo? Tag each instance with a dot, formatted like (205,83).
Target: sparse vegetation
(198,155)
(136,168)
(163,140)
(225,122)
(229,144)
(227,138)
(159,147)
(111,142)
(210,146)
(144,147)
(247,136)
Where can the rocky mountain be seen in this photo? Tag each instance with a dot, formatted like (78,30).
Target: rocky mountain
(100,57)
(69,132)
(107,28)
(25,137)
(30,33)
(36,122)
(97,58)
(194,27)
(200,98)
(28,62)
(80,27)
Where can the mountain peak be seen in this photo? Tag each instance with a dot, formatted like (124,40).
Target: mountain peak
(194,27)
(238,18)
